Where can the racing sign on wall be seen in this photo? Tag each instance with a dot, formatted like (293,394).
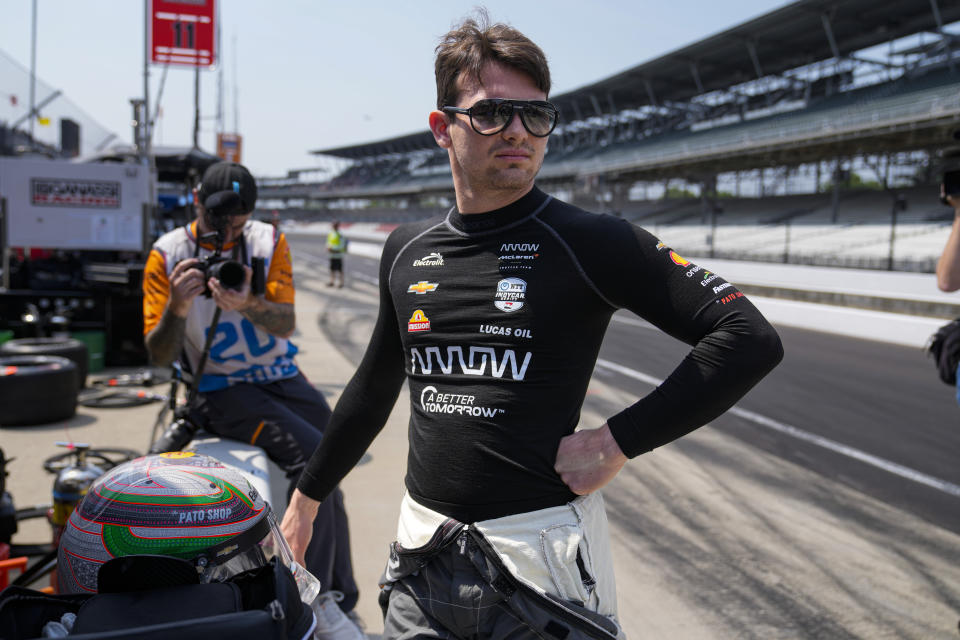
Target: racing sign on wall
(183,32)
(70,205)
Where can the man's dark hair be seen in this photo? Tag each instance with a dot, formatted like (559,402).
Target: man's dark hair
(464,50)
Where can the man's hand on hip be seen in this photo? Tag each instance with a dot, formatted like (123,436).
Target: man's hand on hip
(588,459)
(297,524)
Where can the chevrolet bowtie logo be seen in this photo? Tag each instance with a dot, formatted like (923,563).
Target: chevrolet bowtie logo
(422,287)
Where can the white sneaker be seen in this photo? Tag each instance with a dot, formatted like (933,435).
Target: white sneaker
(332,622)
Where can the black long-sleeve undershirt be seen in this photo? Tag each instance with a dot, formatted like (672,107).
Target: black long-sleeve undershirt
(496,321)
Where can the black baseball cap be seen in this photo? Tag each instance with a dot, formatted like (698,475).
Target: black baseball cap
(229,176)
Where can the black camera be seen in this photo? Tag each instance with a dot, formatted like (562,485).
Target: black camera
(950,163)
(228,272)
(950,186)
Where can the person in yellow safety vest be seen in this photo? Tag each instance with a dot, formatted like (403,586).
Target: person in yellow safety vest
(336,247)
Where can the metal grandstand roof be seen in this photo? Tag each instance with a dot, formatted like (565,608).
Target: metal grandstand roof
(797,34)
(800,33)
(402,144)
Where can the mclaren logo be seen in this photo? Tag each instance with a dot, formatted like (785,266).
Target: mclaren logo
(471,361)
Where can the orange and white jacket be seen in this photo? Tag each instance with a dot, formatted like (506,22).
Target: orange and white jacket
(240,351)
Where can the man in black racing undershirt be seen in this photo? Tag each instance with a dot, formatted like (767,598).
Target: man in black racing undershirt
(495,315)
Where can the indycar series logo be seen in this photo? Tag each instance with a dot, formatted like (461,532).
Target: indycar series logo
(511,293)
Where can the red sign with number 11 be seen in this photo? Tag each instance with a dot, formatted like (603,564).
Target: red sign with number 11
(183,32)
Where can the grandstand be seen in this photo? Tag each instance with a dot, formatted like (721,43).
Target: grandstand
(752,144)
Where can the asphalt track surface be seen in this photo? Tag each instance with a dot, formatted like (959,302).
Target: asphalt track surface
(868,414)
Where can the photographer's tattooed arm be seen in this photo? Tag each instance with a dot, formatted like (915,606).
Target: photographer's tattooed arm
(165,341)
(275,318)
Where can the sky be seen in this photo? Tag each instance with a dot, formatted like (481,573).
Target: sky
(303,75)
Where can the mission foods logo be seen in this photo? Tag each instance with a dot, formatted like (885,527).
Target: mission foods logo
(61,192)
(678,260)
(418,322)
(510,295)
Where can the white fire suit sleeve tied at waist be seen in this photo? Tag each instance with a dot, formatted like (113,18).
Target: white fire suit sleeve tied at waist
(563,551)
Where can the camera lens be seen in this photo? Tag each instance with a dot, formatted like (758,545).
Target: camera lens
(230,273)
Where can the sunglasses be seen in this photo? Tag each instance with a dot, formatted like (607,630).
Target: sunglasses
(493,115)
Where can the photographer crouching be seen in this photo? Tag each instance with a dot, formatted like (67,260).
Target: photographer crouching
(218,297)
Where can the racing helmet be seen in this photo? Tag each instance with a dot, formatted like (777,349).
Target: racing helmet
(179,504)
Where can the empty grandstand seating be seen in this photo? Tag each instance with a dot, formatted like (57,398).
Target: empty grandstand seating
(762,229)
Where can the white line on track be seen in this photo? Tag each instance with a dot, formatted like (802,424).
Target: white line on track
(800,434)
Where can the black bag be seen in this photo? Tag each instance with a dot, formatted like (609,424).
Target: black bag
(944,346)
(261,604)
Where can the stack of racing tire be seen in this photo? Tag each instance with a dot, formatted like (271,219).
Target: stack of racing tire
(40,379)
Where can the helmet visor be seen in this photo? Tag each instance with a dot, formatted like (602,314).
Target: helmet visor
(266,543)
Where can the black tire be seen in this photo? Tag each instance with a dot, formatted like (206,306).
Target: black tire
(36,390)
(104,457)
(69,348)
